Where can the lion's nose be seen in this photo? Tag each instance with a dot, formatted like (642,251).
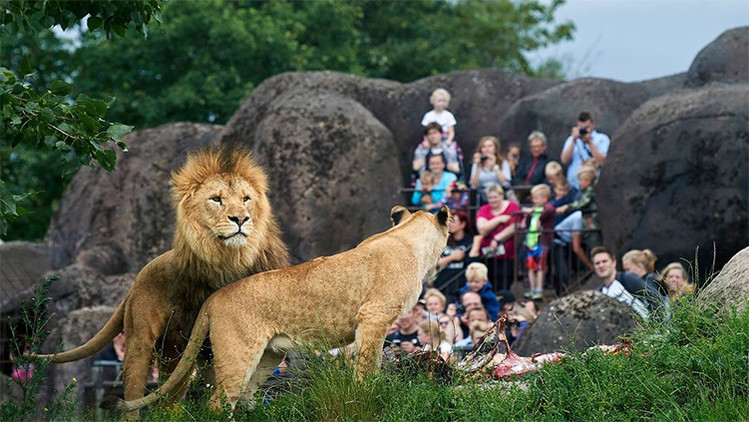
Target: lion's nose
(239,220)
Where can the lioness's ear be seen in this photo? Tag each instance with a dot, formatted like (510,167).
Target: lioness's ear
(398,213)
(443,216)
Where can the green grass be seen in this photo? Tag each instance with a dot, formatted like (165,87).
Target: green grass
(696,368)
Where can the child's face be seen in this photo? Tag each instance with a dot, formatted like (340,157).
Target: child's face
(538,199)
(584,181)
(424,337)
(476,284)
(561,191)
(439,102)
(554,178)
(434,305)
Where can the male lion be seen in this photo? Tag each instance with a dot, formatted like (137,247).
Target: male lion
(354,295)
(224,231)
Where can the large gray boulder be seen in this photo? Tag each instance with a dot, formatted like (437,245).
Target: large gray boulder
(724,60)
(730,288)
(333,175)
(677,176)
(576,322)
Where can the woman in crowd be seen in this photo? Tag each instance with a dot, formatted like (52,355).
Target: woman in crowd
(452,262)
(642,264)
(496,222)
(489,166)
(676,280)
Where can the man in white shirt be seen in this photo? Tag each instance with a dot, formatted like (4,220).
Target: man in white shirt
(604,263)
(583,144)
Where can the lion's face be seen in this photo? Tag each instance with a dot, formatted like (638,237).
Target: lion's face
(224,206)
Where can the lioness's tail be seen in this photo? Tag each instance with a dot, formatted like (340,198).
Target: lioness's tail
(185,365)
(97,342)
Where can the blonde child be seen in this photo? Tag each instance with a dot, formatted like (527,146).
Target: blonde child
(477,281)
(554,172)
(587,205)
(440,100)
(435,303)
(540,224)
(428,180)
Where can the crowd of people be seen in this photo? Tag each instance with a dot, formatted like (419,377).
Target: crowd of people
(491,225)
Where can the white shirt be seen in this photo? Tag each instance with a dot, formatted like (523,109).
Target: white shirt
(581,153)
(444,119)
(618,292)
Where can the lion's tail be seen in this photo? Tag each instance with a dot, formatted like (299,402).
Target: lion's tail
(97,342)
(185,365)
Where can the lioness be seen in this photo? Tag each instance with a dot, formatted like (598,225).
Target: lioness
(354,295)
(224,231)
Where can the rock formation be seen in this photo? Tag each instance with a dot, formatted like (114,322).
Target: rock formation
(576,322)
(730,288)
(677,176)
(723,60)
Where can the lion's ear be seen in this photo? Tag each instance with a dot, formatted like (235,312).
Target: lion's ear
(398,213)
(443,217)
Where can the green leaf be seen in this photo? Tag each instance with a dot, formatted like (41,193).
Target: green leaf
(96,108)
(117,131)
(60,87)
(94,22)
(66,128)
(119,30)
(25,67)
(89,123)
(48,116)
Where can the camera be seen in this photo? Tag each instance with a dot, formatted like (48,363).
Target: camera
(583,131)
(484,157)
(460,309)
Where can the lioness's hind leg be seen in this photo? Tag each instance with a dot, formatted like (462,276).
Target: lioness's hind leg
(236,357)
(373,323)
(265,368)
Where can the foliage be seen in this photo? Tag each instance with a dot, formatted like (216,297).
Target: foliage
(113,16)
(39,116)
(33,320)
(205,58)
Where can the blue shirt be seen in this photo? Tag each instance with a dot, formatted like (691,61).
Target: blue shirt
(581,153)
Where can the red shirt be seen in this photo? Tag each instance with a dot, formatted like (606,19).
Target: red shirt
(486,212)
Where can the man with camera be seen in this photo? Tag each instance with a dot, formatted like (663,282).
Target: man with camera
(584,144)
